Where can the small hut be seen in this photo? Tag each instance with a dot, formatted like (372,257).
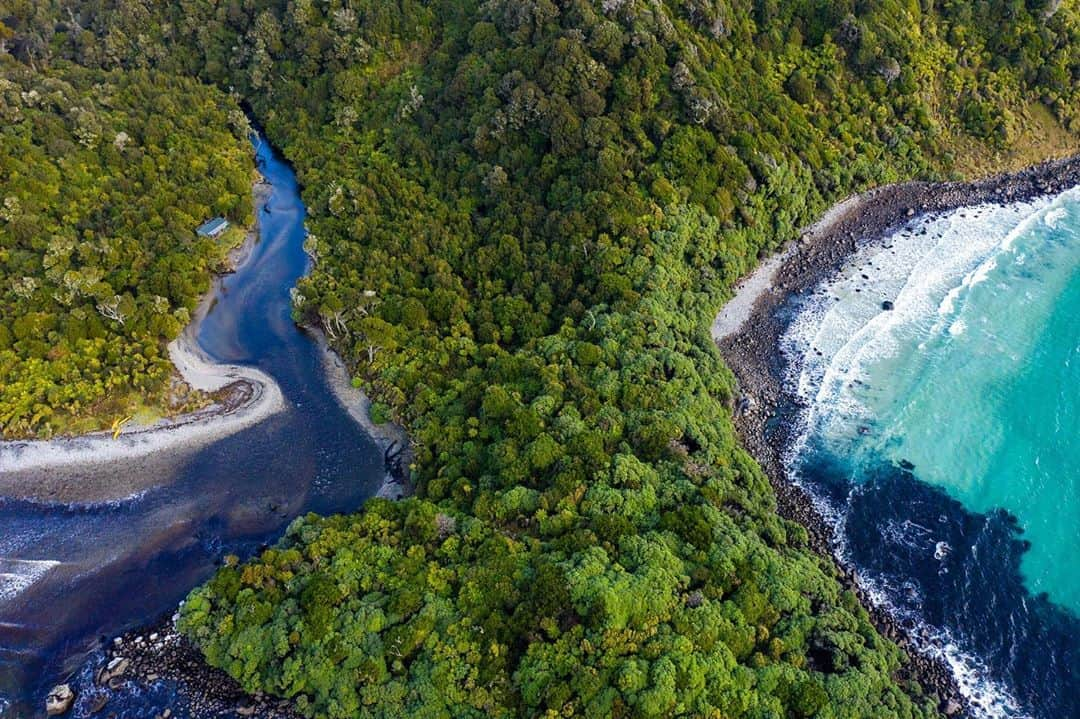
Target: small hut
(213,227)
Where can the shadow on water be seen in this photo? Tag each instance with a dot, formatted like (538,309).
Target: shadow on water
(941,565)
(88,572)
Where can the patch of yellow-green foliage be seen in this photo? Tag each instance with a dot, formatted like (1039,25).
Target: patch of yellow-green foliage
(103,178)
(525,214)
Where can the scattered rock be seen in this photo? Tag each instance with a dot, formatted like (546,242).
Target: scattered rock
(59,700)
(113,670)
(98,703)
(157,652)
(751,354)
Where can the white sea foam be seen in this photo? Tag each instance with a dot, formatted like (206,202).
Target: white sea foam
(989,698)
(18,574)
(839,334)
(1054,216)
(948,305)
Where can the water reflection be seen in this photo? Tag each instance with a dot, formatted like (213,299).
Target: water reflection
(85,572)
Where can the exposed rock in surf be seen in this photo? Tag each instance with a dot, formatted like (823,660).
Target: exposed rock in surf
(165,655)
(98,702)
(59,700)
(113,670)
(750,351)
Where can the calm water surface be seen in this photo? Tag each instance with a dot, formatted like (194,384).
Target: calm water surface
(940,437)
(76,574)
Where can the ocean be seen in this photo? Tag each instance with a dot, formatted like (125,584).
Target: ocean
(937,380)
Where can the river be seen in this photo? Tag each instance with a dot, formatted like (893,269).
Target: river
(73,575)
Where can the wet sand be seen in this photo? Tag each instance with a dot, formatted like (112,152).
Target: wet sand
(77,470)
(115,565)
(391,437)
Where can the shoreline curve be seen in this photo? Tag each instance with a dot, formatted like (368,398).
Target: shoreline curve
(747,332)
(40,469)
(392,438)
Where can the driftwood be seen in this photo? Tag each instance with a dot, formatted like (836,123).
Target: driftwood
(394,459)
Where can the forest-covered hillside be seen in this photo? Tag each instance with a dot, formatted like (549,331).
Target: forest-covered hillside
(524,215)
(104,177)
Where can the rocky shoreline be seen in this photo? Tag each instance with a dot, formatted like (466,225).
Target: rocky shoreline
(749,329)
(157,661)
(157,656)
(154,660)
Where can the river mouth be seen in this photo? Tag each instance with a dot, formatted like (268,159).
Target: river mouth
(73,574)
(931,381)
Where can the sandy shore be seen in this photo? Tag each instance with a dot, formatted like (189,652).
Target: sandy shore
(156,653)
(748,330)
(391,437)
(734,314)
(73,469)
(77,470)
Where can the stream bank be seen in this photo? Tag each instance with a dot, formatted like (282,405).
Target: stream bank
(76,571)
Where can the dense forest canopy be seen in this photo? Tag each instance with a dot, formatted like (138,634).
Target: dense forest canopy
(104,177)
(524,215)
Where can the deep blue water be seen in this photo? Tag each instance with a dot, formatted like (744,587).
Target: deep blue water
(120,565)
(940,437)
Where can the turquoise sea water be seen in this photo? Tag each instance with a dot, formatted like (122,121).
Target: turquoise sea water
(969,388)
